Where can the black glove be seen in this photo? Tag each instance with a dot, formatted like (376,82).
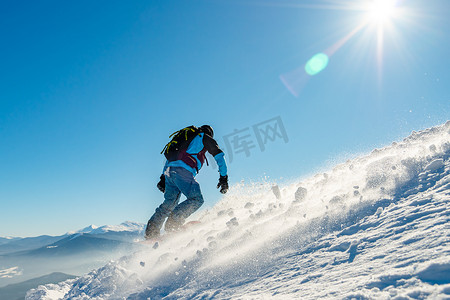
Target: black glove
(223,184)
(162,183)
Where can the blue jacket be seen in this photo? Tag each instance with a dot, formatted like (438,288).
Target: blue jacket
(200,142)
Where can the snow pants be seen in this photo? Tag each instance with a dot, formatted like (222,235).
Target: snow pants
(178,181)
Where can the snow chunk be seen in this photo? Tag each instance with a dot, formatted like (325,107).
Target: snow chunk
(232,223)
(249,205)
(379,211)
(435,165)
(344,246)
(276,191)
(300,194)
(435,273)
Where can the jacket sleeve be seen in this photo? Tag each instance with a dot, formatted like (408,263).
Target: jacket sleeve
(165,166)
(213,148)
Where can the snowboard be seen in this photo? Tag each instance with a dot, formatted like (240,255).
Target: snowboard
(167,235)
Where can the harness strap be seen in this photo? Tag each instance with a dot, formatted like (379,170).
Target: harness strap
(185,130)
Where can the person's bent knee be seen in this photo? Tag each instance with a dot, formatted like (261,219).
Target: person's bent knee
(198,201)
(164,210)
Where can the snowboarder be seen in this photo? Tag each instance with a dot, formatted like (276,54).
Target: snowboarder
(185,154)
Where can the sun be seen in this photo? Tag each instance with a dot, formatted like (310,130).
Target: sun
(374,23)
(380,11)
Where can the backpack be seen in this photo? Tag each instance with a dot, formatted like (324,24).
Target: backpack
(176,148)
(179,143)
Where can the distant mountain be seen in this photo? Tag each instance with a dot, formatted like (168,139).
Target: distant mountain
(23,244)
(18,291)
(127,226)
(74,253)
(127,231)
(5,240)
(76,244)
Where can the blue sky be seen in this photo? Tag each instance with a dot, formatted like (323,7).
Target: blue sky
(90,92)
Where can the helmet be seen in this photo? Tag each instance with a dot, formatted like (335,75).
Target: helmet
(208,130)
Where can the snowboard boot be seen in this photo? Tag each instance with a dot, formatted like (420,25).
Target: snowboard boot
(173,224)
(151,232)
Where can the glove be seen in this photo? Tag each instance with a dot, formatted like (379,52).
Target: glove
(223,184)
(162,184)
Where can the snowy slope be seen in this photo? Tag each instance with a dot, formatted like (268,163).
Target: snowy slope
(376,227)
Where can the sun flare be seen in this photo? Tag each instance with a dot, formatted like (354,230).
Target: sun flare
(380,11)
(377,24)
